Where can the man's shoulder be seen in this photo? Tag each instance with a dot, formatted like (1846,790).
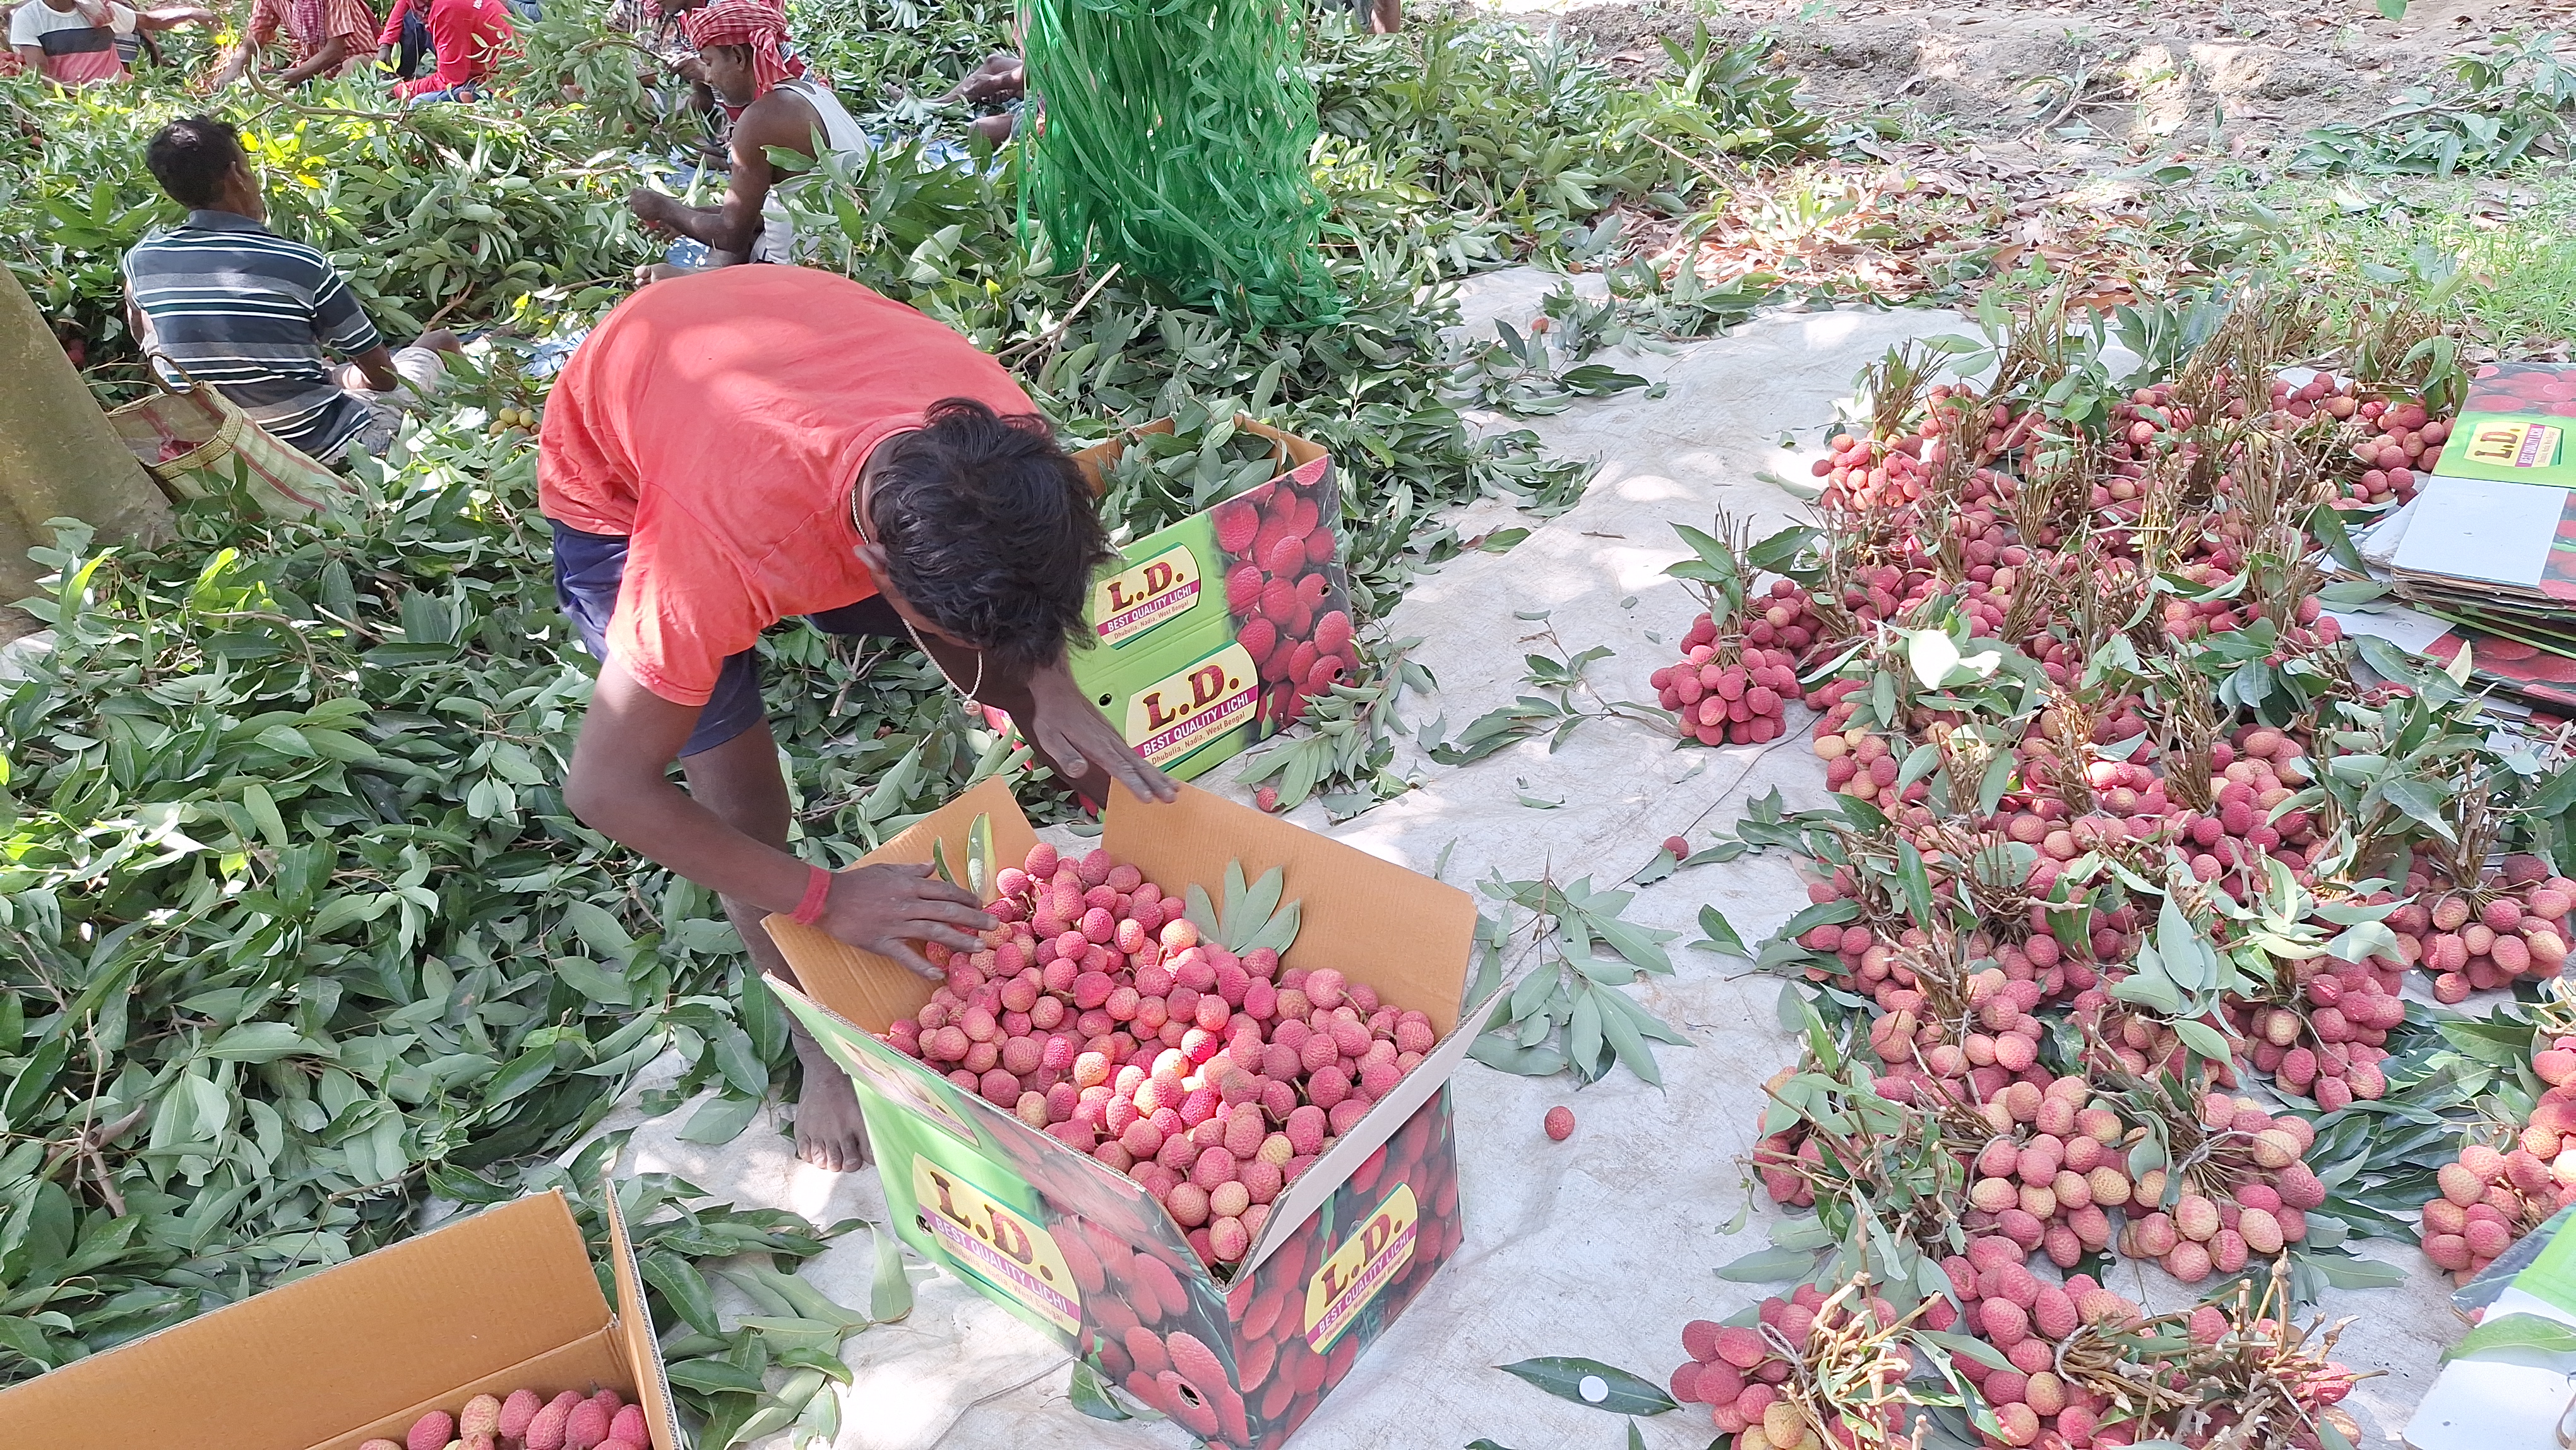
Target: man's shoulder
(784,112)
(282,257)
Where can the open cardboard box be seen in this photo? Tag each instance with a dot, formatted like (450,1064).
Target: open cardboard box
(1167,663)
(1084,1253)
(502,1300)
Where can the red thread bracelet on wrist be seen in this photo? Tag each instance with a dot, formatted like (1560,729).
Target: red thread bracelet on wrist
(818,890)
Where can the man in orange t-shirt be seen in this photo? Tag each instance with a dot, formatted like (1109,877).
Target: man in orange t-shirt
(735,447)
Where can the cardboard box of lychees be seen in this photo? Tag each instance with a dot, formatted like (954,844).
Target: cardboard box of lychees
(1187,1111)
(2513,426)
(494,1323)
(1210,634)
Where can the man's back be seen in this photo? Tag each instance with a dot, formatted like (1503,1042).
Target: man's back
(237,306)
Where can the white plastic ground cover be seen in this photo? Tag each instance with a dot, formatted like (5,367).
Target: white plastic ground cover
(1605,1245)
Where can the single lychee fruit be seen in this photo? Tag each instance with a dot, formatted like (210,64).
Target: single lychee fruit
(1699,1339)
(481,1416)
(1237,525)
(2208,1325)
(586,1426)
(2005,1322)
(431,1431)
(1741,1347)
(517,1411)
(546,1431)
(1560,1122)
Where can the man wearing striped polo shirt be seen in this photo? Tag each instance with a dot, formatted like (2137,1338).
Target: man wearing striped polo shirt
(225,301)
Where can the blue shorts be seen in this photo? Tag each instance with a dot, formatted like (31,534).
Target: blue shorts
(588,570)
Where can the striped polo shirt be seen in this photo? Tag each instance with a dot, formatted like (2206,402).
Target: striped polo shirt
(242,308)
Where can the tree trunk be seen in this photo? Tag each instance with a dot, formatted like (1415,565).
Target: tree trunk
(59,458)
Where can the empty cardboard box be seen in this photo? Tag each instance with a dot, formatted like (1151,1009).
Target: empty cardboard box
(1085,1253)
(505,1299)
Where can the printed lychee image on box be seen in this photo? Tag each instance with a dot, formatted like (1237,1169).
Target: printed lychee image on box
(2513,426)
(1211,634)
(1185,1110)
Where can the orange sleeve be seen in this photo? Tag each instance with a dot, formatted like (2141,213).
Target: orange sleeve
(579,485)
(681,609)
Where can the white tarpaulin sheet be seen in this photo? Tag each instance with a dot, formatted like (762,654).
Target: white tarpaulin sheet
(1605,1245)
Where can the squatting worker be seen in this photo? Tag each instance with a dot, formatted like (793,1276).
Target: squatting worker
(222,300)
(738,44)
(736,447)
(326,38)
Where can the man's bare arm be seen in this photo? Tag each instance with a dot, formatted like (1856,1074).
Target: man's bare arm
(620,787)
(332,52)
(774,120)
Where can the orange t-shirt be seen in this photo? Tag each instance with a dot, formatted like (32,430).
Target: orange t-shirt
(719,422)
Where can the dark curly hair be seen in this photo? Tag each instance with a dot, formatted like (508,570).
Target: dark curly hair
(990,530)
(190,157)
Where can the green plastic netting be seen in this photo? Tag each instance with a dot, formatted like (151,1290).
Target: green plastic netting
(1174,142)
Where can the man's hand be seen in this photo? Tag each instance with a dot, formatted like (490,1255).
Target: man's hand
(658,211)
(1072,732)
(885,909)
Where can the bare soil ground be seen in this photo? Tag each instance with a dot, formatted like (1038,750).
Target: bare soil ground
(2092,81)
(2106,147)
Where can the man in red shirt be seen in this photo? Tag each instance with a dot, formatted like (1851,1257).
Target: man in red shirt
(467,37)
(729,449)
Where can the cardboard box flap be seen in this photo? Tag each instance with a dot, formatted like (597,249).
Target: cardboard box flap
(393,1328)
(1299,1200)
(1094,461)
(873,991)
(1404,934)
(1288,448)
(634,1329)
(1077,1183)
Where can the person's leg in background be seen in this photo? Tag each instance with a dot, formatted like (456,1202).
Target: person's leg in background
(423,369)
(416,49)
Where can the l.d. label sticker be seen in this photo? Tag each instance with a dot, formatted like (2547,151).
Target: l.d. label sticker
(1177,715)
(996,1245)
(1137,598)
(1365,1263)
(2514,443)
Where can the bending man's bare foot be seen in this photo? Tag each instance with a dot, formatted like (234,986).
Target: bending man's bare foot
(830,1133)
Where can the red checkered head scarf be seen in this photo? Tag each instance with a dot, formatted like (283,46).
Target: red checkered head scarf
(759,24)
